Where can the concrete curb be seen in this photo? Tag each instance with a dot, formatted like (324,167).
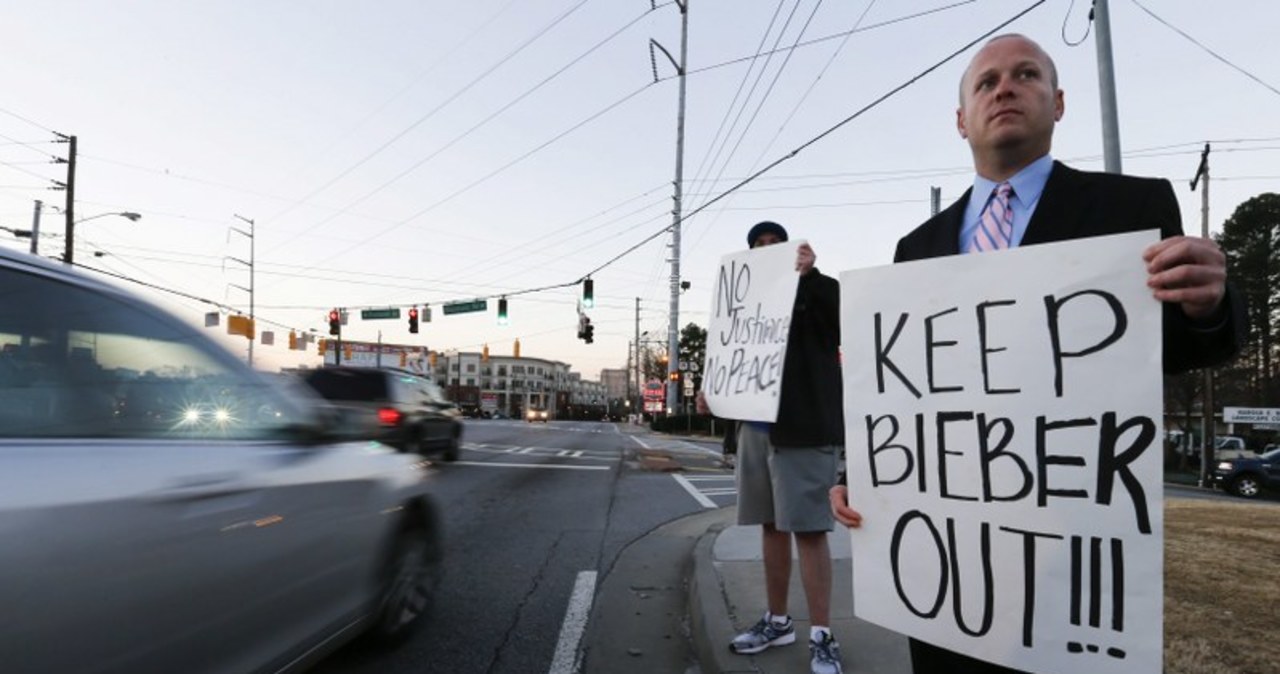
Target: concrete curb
(711,628)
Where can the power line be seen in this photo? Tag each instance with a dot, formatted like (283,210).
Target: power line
(820,40)
(772,83)
(717,145)
(475,127)
(28,121)
(828,132)
(490,175)
(799,103)
(1212,53)
(19,168)
(457,94)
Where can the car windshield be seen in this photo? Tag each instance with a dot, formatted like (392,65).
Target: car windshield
(80,363)
(351,385)
(1271,455)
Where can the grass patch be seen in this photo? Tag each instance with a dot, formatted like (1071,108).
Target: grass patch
(1220,597)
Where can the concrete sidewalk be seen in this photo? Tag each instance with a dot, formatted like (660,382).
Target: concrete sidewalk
(726,596)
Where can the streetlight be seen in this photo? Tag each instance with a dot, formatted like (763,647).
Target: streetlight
(68,252)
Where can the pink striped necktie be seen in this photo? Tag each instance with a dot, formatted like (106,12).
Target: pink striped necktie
(995,225)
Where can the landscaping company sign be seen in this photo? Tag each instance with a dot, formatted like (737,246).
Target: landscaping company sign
(1251,415)
(1003,437)
(747,333)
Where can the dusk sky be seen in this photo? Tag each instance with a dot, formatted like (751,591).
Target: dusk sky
(399,152)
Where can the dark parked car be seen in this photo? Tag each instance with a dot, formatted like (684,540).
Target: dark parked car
(167,509)
(396,407)
(1249,476)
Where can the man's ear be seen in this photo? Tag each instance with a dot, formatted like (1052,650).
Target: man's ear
(960,123)
(1059,105)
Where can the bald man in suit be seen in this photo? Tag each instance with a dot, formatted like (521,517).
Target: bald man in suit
(1009,104)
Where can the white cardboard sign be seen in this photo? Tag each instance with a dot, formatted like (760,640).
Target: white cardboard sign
(1003,415)
(755,292)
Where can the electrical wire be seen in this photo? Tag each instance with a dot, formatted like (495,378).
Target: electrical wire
(20,169)
(826,133)
(475,127)
(820,40)
(431,113)
(717,144)
(490,175)
(1088,26)
(28,121)
(772,83)
(796,108)
(1212,53)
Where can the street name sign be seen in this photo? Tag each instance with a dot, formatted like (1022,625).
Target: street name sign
(465,307)
(1251,415)
(375,314)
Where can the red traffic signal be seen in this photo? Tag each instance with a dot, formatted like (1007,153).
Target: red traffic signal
(413,319)
(335,322)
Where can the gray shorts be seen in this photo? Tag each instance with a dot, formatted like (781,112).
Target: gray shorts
(787,488)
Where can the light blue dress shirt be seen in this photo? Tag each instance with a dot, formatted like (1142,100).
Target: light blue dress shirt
(1028,185)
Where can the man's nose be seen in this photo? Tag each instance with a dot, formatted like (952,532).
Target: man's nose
(1004,87)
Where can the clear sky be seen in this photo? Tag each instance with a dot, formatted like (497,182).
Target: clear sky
(404,152)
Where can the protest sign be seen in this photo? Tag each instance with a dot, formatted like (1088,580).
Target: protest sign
(1003,415)
(755,292)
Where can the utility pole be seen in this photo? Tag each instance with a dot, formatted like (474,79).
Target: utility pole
(673,325)
(639,391)
(1207,443)
(253,322)
(1107,87)
(935,200)
(35,228)
(68,255)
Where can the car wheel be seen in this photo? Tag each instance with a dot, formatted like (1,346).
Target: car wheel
(411,578)
(1246,486)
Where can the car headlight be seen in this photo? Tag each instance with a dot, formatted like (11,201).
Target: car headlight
(1225,465)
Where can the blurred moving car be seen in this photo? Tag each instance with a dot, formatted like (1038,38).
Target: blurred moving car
(397,407)
(534,414)
(167,509)
(1249,476)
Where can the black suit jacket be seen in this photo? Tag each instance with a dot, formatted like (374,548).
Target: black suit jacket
(1078,204)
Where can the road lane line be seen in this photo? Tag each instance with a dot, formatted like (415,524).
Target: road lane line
(565,660)
(693,491)
(640,442)
(495,464)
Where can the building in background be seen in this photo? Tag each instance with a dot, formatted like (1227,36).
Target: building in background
(511,386)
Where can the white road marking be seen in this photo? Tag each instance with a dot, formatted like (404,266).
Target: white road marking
(640,442)
(565,660)
(495,464)
(693,491)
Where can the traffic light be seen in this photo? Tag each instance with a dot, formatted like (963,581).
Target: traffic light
(484,355)
(502,311)
(588,331)
(674,376)
(322,344)
(335,322)
(413,320)
(588,293)
(293,341)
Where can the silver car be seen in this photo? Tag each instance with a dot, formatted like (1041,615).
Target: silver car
(164,508)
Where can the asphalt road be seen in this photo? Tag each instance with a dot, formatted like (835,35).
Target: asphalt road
(533,511)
